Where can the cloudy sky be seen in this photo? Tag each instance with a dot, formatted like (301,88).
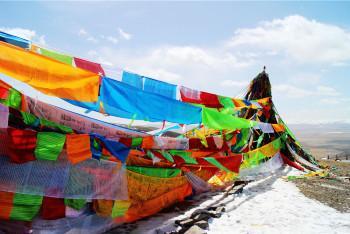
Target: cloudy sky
(216,47)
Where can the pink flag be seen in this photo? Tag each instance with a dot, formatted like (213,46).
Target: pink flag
(90,66)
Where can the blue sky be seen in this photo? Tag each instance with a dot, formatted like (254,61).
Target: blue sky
(212,46)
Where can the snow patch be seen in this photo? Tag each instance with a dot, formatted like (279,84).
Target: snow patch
(273,205)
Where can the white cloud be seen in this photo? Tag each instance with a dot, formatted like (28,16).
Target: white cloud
(42,40)
(326,91)
(324,113)
(330,101)
(305,78)
(114,40)
(297,92)
(92,53)
(193,66)
(106,38)
(291,91)
(92,39)
(233,83)
(124,35)
(96,57)
(162,74)
(85,34)
(195,56)
(103,61)
(299,38)
(82,32)
(20,32)
(28,34)
(340,64)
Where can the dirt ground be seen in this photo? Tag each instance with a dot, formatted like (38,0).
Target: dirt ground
(331,192)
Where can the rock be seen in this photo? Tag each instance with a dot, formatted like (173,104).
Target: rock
(239,182)
(237,189)
(202,216)
(220,209)
(199,211)
(214,207)
(185,222)
(215,214)
(160,231)
(240,190)
(202,224)
(195,230)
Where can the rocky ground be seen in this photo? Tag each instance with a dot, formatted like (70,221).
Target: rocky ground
(331,192)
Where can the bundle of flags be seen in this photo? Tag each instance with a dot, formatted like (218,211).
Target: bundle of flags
(74,168)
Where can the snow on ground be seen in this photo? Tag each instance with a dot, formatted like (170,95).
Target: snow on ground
(276,206)
(269,205)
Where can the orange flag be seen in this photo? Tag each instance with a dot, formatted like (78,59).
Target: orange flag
(47,75)
(78,147)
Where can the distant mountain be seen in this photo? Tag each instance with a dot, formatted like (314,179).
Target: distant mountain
(323,139)
(322,128)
